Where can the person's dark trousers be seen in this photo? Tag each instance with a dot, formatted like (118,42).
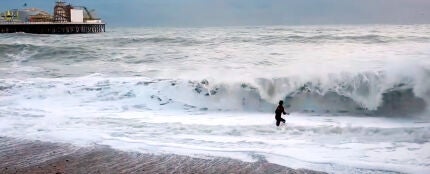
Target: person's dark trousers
(278,120)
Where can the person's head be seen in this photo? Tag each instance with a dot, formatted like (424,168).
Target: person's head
(281,102)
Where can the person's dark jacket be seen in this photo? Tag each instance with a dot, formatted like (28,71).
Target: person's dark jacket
(279,111)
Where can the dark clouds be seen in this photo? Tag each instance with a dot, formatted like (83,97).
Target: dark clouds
(248,12)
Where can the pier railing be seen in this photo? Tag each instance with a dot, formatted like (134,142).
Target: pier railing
(6,22)
(51,27)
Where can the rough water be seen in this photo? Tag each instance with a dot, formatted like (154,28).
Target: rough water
(358,95)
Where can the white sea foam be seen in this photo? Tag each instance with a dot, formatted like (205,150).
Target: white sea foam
(358,95)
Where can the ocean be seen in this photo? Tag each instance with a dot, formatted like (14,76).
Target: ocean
(358,95)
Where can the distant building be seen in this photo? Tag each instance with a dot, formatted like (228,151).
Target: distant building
(76,15)
(10,16)
(34,15)
(62,12)
(26,15)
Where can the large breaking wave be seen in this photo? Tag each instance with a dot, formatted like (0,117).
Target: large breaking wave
(368,93)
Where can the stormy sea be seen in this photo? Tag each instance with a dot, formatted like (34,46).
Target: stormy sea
(358,96)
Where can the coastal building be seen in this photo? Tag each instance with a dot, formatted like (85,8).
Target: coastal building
(66,19)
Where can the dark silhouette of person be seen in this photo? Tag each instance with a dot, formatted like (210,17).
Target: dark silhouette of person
(279,111)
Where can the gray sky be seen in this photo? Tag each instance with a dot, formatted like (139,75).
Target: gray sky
(247,12)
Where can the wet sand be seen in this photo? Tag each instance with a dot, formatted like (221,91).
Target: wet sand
(36,157)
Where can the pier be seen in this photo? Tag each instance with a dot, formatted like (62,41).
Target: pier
(67,19)
(52,28)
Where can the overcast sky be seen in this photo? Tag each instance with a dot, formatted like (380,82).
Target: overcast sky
(246,12)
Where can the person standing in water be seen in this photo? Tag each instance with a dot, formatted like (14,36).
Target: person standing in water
(279,111)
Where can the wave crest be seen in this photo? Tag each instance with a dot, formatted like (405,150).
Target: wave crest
(361,94)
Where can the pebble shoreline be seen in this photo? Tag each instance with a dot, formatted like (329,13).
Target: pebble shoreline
(24,156)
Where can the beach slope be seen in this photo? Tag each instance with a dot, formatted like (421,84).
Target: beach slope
(24,156)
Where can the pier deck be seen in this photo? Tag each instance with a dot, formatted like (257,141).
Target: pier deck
(52,28)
